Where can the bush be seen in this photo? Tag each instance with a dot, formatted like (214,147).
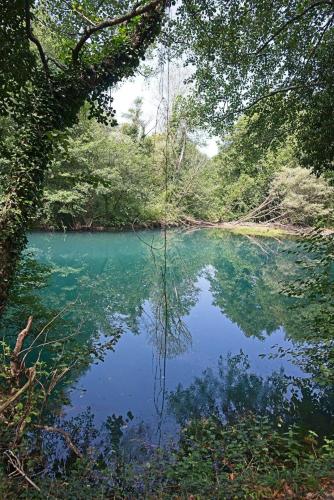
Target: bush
(302,197)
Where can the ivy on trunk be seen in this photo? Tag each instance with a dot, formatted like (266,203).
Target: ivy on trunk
(43,94)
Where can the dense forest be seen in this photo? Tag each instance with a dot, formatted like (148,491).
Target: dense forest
(103,177)
(115,177)
(123,285)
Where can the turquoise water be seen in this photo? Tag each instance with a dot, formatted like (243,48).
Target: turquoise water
(193,315)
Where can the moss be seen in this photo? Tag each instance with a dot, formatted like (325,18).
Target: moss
(262,231)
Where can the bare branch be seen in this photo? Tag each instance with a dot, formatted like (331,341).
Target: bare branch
(16,464)
(21,337)
(16,363)
(108,23)
(45,328)
(85,18)
(14,397)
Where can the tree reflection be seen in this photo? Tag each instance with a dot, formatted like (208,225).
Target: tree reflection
(229,393)
(234,390)
(151,289)
(121,285)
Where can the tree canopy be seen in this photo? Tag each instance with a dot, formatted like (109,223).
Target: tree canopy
(272,58)
(76,52)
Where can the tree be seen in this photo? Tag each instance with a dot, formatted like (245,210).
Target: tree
(82,50)
(136,126)
(301,197)
(103,178)
(272,58)
(244,169)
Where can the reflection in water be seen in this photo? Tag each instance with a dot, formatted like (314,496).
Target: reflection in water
(234,390)
(183,301)
(169,334)
(229,393)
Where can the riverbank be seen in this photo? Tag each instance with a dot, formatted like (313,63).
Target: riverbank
(246,228)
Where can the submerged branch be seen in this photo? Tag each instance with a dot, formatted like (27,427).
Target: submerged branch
(64,434)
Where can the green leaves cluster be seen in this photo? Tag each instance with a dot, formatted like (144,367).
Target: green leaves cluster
(253,175)
(103,177)
(269,57)
(248,459)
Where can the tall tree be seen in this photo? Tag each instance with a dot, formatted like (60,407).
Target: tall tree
(270,57)
(54,56)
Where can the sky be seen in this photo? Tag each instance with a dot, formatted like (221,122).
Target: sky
(149,90)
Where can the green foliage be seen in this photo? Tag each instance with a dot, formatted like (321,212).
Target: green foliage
(252,176)
(302,197)
(249,459)
(247,456)
(17,61)
(315,282)
(44,98)
(271,58)
(103,177)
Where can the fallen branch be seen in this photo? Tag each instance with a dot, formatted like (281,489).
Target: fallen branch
(257,209)
(65,436)
(195,222)
(16,464)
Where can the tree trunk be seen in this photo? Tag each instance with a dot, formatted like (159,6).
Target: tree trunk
(7,265)
(52,102)
(28,158)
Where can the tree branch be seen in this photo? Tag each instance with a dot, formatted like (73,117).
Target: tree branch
(282,90)
(57,63)
(292,20)
(108,23)
(15,363)
(15,462)
(85,18)
(322,34)
(35,40)
(64,434)
(14,397)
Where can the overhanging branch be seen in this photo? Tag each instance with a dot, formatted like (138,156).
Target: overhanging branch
(282,90)
(108,23)
(35,40)
(291,21)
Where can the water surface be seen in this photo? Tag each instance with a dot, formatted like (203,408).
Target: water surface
(194,317)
